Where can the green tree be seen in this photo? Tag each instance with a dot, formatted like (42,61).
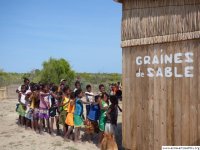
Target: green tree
(56,69)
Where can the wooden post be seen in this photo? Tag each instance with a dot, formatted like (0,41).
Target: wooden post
(161,73)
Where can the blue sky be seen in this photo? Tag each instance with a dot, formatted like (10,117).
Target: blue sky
(84,32)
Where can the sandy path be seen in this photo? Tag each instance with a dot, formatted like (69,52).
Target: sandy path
(14,137)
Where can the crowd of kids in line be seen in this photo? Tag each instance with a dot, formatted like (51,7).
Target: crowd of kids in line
(41,107)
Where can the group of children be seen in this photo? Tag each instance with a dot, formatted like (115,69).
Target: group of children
(42,106)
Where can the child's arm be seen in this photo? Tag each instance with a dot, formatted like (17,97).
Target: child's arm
(119,108)
(87,103)
(108,113)
(87,93)
(19,97)
(54,95)
(103,108)
(44,94)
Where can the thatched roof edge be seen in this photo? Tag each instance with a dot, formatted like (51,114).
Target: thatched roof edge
(161,39)
(119,1)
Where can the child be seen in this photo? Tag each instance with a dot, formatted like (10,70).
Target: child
(78,120)
(44,107)
(22,105)
(53,111)
(102,120)
(64,105)
(101,89)
(29,110)
(35,101)
(92,118)
(111,116)
(70,115)
(89,97)
(77,85)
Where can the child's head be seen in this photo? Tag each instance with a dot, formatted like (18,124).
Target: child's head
(101,88)
(79,93)
(26,81)
(23,88)
(97,98)
(89,88)
(72,96)
(54,88)
(113,100)
(105,97)
(45,88)
(77,84)
(66,90)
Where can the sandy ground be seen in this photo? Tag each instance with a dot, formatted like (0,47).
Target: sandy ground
(13,136)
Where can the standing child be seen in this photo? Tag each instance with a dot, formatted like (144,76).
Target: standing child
(35,101)
(64,105)
(77,85)
(44,107)
(92,118)
(70,116)
(112,115)
(22,105)
(89,97)
(53,111)
(78,113)
(102,120)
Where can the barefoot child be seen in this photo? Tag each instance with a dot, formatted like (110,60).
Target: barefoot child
(102,120)
(89,97)
(53,111)
(78,113)
(64,105)
(92,118)
(70,116)
(112,115)
(44,107)
(22,105)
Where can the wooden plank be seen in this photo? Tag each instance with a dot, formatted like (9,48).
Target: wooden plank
(194,95)
(185,109)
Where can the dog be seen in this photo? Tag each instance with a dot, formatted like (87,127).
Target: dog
(108,142)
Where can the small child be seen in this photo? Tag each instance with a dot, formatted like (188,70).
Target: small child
(22,105)
(77,85)
(70,116)
(89,97)
(35,101)
(78,113)
(92,118)
(53,111)
(112,115)
(102,120)
(64,111)
(44,107)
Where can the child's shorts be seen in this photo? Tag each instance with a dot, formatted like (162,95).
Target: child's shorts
(29,114)
(43,113)
(36,113)
(53,111)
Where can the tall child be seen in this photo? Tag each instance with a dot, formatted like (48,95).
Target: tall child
(78,113)
(70,116)
(104,104)
(53,111)
(64,105)
(89,97)
(44,106)
(22,105)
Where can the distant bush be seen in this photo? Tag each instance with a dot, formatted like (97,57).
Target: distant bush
(56,69)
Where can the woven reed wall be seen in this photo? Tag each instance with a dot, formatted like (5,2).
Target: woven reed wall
(157,21)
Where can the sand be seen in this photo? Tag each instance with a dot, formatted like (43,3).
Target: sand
(13,136)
